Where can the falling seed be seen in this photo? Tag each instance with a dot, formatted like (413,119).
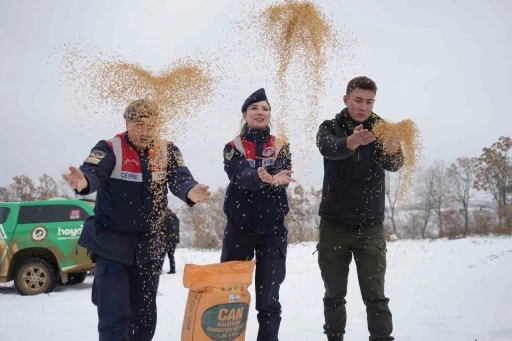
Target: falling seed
(409,135)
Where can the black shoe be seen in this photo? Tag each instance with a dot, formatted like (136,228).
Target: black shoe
(172,271)
(335,337)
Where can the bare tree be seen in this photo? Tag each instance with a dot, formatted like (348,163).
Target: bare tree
(412,227)
(425,193)
(207,220)
(483,221)
(439,193)
(393,182)
(5,194)
(23,188)
(494,174)
(47,188)
(461,176)
(300,218)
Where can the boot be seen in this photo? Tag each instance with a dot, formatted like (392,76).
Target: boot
(172,271)
(338,337)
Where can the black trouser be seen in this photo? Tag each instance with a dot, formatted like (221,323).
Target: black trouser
(170,249)
(270,274)
(338,243)
(126,299)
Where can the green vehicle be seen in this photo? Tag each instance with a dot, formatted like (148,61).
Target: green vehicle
(38,244)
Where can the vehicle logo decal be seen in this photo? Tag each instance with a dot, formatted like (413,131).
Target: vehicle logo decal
(38,234)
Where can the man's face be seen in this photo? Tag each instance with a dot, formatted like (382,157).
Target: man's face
(141,131)
(360,104)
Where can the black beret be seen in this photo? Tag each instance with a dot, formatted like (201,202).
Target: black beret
(257,96)
(140,108)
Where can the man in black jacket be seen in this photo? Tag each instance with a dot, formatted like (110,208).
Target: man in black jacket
(172,237)
(352,210)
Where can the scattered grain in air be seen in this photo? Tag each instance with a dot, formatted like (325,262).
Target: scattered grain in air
(412,147)
(298,33)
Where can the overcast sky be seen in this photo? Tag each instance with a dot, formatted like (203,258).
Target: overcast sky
(444,64)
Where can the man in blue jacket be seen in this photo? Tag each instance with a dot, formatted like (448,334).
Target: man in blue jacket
(131,174)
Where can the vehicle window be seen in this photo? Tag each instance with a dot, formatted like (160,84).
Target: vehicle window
(4,214)
(50,213)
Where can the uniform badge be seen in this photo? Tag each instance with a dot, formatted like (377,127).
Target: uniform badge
(179,158)
(95,157)
(229,155)
(269,151)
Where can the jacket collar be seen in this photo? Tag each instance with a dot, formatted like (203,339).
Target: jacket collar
(344,120)
(256,135)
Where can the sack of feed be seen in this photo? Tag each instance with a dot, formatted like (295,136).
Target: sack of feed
(218,301)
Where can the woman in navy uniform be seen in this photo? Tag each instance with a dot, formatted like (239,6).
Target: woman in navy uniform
(259,169)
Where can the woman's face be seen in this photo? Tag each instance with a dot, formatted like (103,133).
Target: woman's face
(257,115)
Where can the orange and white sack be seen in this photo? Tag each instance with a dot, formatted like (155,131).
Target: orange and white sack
(218,301)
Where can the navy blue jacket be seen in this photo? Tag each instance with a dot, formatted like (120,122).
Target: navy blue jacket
(131,198)
(252,205)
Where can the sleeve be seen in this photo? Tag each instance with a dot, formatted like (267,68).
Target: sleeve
(393,163)
(179,178)
(283,162)
(98,167)
(239,170)
(331,147)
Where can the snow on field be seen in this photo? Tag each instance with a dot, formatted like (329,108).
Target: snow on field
(440,290)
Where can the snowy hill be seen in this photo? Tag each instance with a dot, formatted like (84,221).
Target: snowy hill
(439,290)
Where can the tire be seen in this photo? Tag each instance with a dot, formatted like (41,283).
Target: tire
(35,276)
(76,278)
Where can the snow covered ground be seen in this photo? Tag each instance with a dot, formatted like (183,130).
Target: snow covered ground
(440,290)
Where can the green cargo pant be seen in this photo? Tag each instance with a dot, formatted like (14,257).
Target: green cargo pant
(338,242)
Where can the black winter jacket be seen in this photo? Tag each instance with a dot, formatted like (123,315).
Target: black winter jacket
(354,181)
(171,227)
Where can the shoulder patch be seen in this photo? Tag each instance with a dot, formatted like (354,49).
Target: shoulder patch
(95,157)
(179,157)
(228,155)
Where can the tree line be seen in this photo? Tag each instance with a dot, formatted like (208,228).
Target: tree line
(471,196)
(23,188)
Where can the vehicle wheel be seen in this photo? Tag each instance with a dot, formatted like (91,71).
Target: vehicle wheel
(76,278)
(35,276)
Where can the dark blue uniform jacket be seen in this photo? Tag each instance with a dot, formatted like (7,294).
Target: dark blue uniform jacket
(252,205)
(131,196)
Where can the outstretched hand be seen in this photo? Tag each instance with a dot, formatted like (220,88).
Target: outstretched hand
(199,193)
(281,178)
(360,137)
(265,176)
(75,179)
(392,145)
